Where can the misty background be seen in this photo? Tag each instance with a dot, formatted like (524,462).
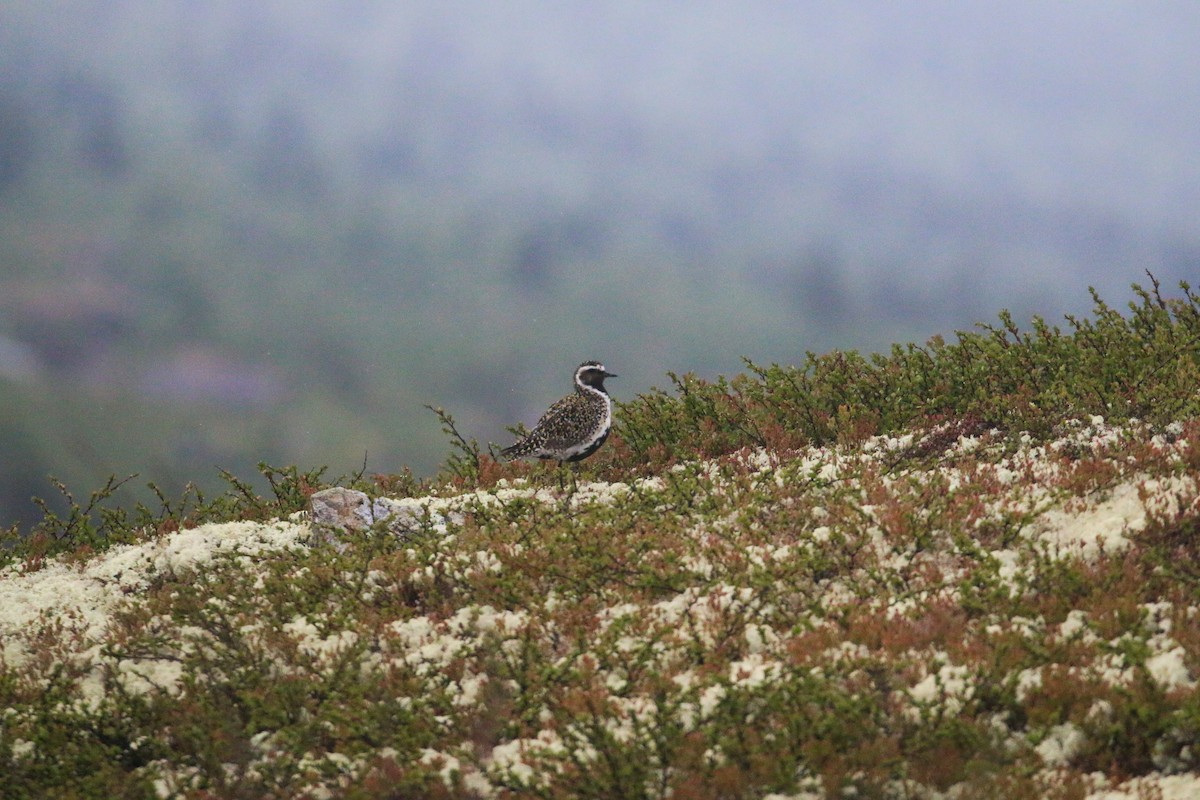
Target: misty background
(234,231)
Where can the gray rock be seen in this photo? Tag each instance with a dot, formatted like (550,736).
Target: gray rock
(340,509)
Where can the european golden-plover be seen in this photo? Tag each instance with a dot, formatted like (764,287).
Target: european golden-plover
(574,427)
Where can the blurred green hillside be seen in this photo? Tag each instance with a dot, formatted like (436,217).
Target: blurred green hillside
(232,234)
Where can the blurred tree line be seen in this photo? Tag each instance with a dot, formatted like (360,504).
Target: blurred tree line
(233,233)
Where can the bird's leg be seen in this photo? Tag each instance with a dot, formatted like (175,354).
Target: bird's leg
(565,469)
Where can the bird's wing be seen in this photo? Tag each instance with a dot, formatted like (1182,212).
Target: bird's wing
(554,412)
(555,426)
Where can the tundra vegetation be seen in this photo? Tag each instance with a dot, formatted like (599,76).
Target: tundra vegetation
(958,569)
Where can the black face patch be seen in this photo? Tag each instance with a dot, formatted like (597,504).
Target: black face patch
(593,377)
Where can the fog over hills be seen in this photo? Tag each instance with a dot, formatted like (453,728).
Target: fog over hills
(323,215)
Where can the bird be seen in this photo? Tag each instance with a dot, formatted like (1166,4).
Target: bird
(574,427)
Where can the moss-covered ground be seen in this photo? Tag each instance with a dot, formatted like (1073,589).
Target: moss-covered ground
(962,569)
